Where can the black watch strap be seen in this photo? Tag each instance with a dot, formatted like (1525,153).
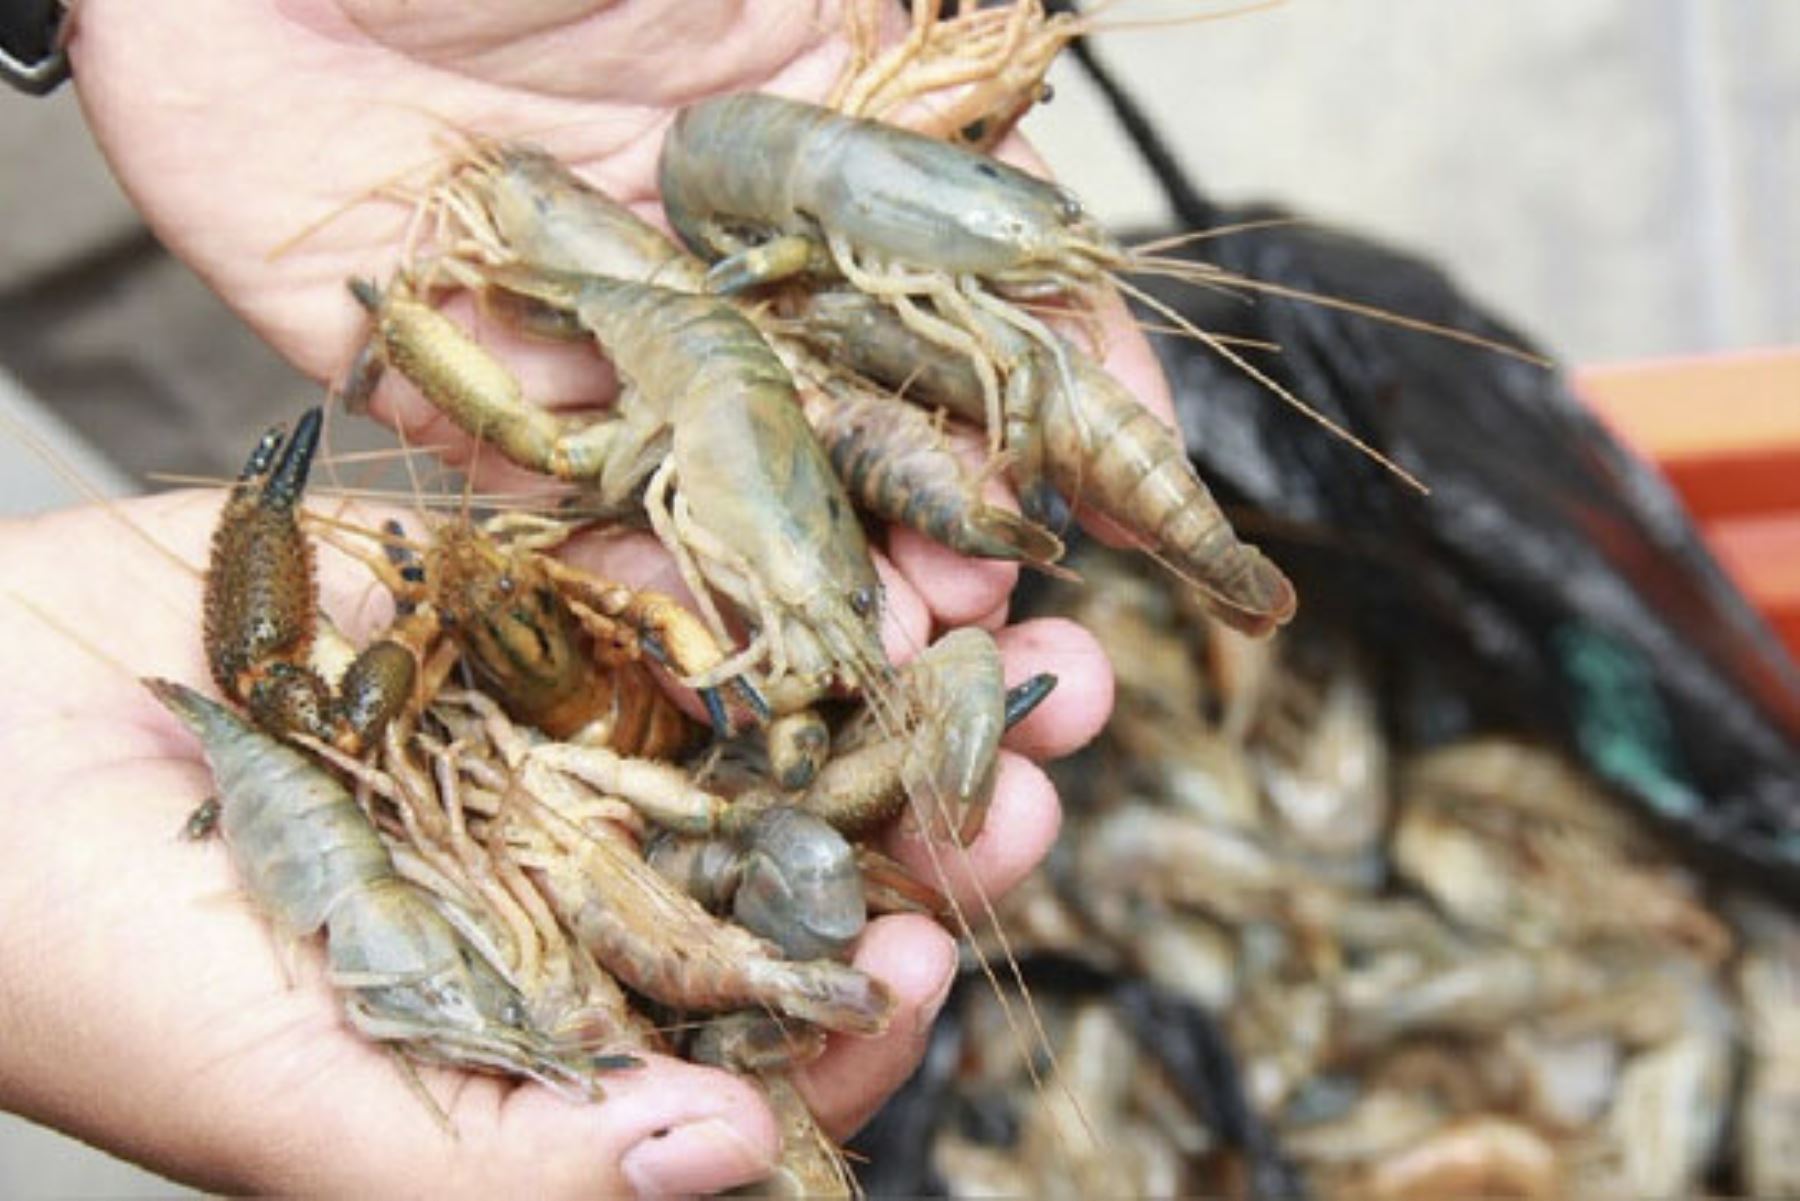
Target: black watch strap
(32,58)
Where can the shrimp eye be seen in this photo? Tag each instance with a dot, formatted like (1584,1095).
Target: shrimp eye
(1070,206)
(862,602)
(505,584)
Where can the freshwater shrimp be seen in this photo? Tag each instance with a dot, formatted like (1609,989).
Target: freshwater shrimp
(312,860)
(517,204)
(564,650)
(1092,442)
(901,216)
(262,615)
(640,926)
(996,55)
(961,707)
(896,462)
(866,199)
(736,486)
(441,832)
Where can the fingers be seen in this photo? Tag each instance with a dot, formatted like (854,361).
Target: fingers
(1072,714)
(1022,821)
(959,591)
(669,1128)
(846,1085)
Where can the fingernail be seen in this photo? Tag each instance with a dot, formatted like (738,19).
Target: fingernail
(928,1011)
(699,1157)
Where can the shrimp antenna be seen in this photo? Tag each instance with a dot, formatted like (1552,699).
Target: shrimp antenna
(1215,232)
(1244,365)
(1208,273)
(931,810)
(1199,18)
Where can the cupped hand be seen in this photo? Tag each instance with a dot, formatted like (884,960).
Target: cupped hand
(146,1006)
(260,139)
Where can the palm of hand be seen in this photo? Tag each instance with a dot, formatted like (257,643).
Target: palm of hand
(364,90)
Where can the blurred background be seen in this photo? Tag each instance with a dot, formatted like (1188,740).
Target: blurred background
(1615,176)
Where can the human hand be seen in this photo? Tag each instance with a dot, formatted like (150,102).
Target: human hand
(241,126)
(146,1007)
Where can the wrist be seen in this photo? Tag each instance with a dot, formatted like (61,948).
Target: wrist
(33,36)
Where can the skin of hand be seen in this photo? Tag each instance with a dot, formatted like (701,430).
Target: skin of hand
(236,130)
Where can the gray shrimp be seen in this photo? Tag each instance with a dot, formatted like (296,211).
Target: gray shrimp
(521,205)
(312,861)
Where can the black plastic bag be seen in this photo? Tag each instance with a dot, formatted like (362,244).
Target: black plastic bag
(1551,580)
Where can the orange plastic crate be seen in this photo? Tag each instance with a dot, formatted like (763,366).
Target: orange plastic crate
(1726,431)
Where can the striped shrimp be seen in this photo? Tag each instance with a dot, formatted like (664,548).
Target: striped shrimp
(313,861)
(898,464)
(1094,443)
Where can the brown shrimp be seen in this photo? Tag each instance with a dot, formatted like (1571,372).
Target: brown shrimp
(660,942)
(262,617)
(995,55)
(1095,443)
(637,924)
(898,465)
(564,650)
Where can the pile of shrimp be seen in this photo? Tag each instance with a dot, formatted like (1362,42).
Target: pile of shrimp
(1279,957)
(548,823)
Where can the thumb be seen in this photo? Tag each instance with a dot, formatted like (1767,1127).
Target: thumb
(667,1127)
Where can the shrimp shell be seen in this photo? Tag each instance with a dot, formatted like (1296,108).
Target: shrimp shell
(312,860)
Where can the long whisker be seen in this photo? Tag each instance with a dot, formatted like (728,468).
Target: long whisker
(1193,273)
(1244,365)
(1212,233)
(535,502)
(1242,10)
